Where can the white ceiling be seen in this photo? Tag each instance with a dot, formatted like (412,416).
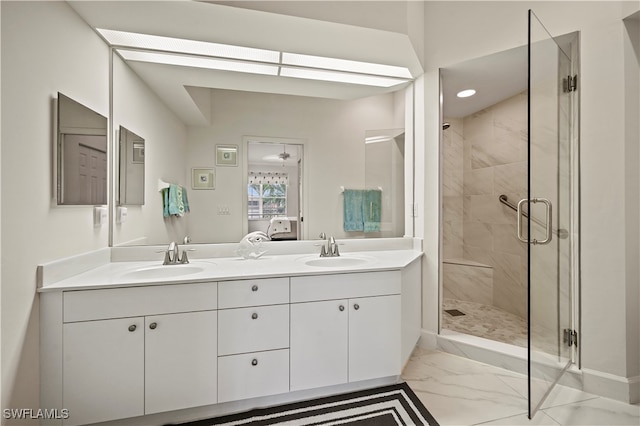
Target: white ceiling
(267,154)
(494,77)
(186,90)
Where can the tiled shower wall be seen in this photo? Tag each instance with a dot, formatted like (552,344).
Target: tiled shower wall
(491,145)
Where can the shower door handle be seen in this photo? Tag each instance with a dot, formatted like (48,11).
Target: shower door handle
(547,224)
(519,217)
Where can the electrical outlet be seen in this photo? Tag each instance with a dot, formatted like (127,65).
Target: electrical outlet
(223,210)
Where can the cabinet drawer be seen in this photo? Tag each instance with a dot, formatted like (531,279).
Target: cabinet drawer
(344,286)
(237,294)
(253,329)
(86,305)
(253,375)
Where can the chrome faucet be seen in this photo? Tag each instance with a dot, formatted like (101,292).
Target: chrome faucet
(172,255)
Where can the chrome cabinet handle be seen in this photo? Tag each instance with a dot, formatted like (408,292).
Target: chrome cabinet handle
(132,328)
(254,362)
(254,316)
(341,307)
(153,325)
(254,288)
(356,306)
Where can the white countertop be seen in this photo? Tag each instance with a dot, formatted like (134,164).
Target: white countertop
(127,274)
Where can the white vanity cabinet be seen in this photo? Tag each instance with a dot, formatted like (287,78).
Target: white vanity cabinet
(344,328)
(253,338)
(113,353)
(156,361)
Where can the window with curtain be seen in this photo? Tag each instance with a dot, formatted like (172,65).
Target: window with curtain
(267,195)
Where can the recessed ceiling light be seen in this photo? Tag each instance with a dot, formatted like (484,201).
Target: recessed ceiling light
(344,65)
(180,45)
(198,62)
(340,77)
(466,93)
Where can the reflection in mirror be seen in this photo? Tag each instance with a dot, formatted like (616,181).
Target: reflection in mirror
(81,154)
(384,173)
(131,169)
(274,189)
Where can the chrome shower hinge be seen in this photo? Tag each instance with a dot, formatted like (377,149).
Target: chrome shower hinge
(570,337)
(570,84)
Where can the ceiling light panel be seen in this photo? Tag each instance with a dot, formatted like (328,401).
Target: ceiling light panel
(340,77)
(170,44)
(198,62)
(344,65)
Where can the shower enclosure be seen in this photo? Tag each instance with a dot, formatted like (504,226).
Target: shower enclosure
(551,229)
(511,207)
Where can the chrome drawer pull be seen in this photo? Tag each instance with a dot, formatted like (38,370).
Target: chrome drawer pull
(254,288)
(132,328)
(254,316)
(254,362)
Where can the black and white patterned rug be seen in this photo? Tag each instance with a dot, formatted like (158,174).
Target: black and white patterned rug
(383,406)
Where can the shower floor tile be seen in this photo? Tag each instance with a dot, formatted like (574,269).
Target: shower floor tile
(485,321)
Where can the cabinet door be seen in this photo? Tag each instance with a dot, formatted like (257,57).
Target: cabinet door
(103,370)
(180,361)
(374,337)
(319,344)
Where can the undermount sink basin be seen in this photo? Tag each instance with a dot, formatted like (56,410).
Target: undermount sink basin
(332,262)
(163,271)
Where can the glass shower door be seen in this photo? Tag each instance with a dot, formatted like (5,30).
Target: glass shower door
(544,217)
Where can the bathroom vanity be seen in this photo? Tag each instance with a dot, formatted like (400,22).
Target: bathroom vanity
(124,340)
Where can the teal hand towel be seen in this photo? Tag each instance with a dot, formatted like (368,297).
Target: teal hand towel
(185,200)
(353,220)
(176,201)
(372,208)
(165,202)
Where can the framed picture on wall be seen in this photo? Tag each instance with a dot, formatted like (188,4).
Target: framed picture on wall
(227,155)
(203,178)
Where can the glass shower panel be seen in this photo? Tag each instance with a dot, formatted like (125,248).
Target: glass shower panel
(549,212)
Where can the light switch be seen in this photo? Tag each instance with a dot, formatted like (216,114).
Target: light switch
(121,214)
(100,216)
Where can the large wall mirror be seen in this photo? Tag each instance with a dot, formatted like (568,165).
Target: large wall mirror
(190,111)
(81,148)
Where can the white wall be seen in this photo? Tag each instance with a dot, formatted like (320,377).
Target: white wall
(46,48)
(334,131)
(481,28)
(632,155)
(138,109)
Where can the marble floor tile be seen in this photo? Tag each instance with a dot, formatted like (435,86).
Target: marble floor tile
(540,419)
(460,391)
(560,395)
(597,411)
